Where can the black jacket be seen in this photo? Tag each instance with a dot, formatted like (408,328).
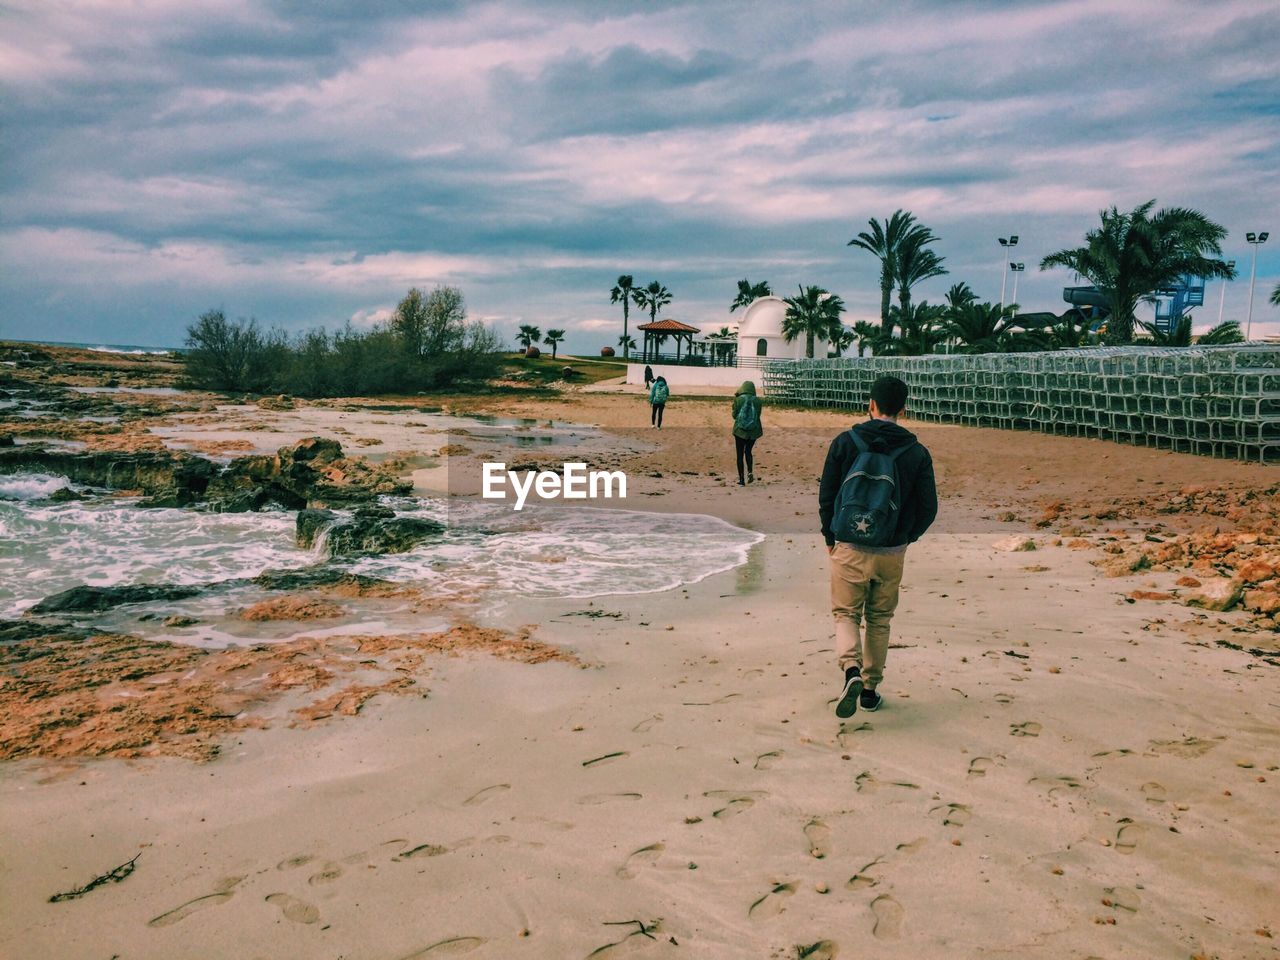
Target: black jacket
(919,504)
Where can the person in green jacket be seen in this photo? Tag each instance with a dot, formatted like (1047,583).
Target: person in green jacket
(658,394)
(746,429)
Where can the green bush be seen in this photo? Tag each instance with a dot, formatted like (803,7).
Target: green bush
(427,345)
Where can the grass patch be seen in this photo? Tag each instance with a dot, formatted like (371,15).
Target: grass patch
(544,369)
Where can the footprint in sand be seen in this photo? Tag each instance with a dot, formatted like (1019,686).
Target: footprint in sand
(453,947)
(766,760)
(772,903)
(1004,698)
(330,873)
(1055,785)
(646,724)
(752,674)
(863,878)
(846,737)
(595,799)
(423,850)
(488,793)
(299,911)
(1127,836)
(644,857)
(888,915)
(867,782)
(644,935)
(1028,729)
(298,860)
(223,893)
(818,834)
(1153,791)
(822,950)
(738,802)
(1186,749)
(979,766)
(953,814)
(912,846)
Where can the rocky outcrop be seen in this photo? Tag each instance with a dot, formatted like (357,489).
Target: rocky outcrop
(166,479)
(96,599)
(312,471)
(371,529)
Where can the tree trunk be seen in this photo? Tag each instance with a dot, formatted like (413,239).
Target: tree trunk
(808,352)
(886,292)
(626,311)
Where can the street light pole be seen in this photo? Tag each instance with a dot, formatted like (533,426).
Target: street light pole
(1007,243)
(1222,297)
(1256,240)
(1017,269)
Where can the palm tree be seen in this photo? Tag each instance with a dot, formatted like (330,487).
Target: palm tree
(623,292)
(1226,332)
(1132,255)
(552,340)
(1179,336)
(1071,330)
(721,342)
(528,335)
(1275,295)
(652,298)
(814,313)
(626,343)
(978,327)
(960,294)
(922,331)
(843,340)
(749,292)
(865,333)
(915,263)
(883,242)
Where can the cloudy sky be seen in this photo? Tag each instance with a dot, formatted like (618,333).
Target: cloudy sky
(306,163)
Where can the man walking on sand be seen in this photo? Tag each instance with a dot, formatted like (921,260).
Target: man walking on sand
(877,496)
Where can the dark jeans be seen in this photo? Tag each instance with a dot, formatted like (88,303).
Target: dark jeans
(744,452)
(656,417)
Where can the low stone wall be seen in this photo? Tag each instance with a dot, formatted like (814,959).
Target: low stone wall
(1216,401)
(679,375)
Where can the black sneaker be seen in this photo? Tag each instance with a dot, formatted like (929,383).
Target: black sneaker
(870,700)
(847,705)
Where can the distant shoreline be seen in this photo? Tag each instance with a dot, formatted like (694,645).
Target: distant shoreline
(97,345)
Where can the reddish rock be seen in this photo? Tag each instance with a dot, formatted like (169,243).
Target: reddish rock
(1150,595)
(1216,593)
(1188,582)
(1262,601)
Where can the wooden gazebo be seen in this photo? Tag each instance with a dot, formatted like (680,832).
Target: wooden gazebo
(656,334)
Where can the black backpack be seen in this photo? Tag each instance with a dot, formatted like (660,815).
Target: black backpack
(869,502)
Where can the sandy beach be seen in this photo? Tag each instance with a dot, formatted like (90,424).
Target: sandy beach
(1077,755)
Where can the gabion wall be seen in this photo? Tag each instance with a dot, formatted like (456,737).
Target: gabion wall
(1217,401)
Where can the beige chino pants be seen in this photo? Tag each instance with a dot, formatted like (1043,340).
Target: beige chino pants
(864,586)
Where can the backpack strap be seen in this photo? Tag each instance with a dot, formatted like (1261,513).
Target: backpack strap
(864,447)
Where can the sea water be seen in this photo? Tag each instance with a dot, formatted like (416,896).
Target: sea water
(545,551)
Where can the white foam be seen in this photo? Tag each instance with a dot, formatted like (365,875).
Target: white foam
(550,551)
(30,486)
(47,548)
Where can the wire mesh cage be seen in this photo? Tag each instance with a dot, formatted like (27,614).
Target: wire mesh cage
(1216,401)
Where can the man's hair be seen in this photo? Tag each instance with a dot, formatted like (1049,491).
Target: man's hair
(890,395)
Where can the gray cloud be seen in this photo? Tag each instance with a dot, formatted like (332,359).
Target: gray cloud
(306,163)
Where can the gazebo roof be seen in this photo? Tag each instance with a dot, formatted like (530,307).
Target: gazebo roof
(668,326)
